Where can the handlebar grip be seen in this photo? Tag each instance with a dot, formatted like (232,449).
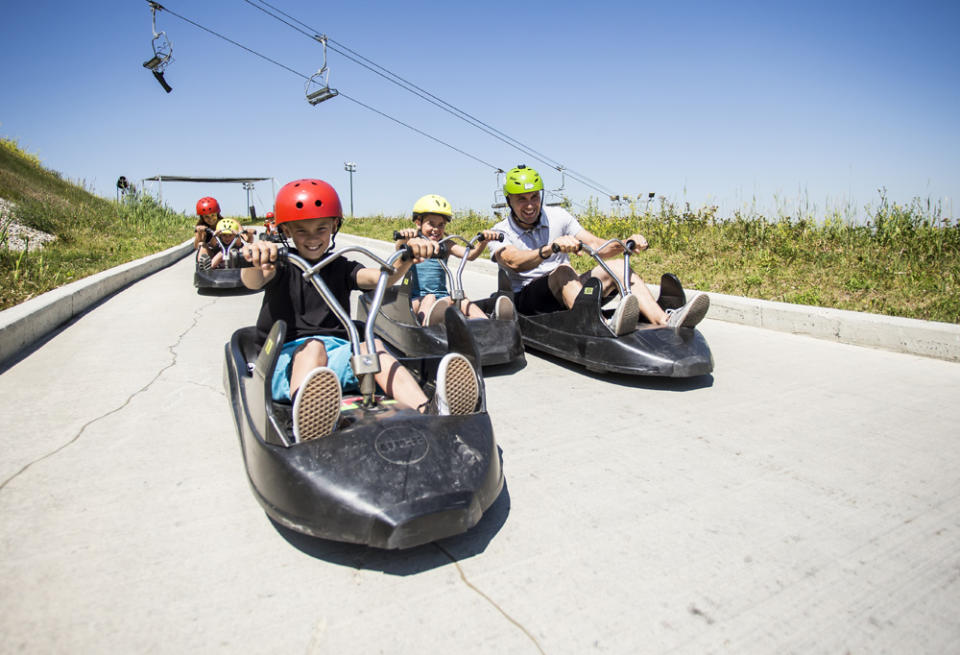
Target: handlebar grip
(396,235)
(440,254)
(281,258)
(480,236)
(631,244)
(556,248)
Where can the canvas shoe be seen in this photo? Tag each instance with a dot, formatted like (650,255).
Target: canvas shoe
(625,316)
(316,408)
(457,387)
(435,317)
(503,309)
(203,261)
(691,313)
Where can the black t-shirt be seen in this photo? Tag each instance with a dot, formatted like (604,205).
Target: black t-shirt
(290,298)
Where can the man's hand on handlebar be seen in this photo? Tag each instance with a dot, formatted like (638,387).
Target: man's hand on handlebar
(639,242)
(566,244)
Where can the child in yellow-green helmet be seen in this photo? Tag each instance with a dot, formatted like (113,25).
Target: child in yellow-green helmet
(429,295)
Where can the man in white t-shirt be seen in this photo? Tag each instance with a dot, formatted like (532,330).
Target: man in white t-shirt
(543,280)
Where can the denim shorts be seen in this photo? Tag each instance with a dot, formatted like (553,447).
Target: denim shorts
(338,360)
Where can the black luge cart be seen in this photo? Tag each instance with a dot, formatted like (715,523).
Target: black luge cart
(387,476)
(498,341)
(582,335)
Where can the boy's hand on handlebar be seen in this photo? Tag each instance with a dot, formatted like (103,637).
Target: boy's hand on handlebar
(405,235)
(262,254)
(422,249)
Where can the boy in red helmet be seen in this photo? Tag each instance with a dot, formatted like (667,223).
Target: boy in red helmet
(314,363)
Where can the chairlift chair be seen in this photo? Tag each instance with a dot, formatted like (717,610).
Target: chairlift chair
(554,197)
(320,78)
(162,51)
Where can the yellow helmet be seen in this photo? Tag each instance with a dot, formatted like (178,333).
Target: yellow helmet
(228,225)
(432,204)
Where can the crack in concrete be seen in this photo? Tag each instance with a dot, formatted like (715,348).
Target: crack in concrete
(207,386)
(463,576)
(172,349)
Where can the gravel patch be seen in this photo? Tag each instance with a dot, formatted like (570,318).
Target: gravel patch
(15,236)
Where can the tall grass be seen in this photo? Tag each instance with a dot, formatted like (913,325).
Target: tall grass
(93,233)
(904,261)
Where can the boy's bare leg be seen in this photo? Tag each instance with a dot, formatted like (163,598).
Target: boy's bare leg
(470,310)
(311,355)
(395,380)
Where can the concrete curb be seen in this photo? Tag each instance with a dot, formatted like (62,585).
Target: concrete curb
(904,335)
(31,320)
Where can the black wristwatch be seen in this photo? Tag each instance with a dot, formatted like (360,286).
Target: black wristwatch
(540,252)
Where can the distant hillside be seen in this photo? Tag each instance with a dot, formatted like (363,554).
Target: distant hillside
(92,233)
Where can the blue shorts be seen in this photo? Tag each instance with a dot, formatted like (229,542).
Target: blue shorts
(338,360)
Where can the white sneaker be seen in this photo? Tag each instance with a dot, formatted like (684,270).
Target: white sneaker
(316,409)
(457,387)
(625,316)
(503,309)
(435,317)
(691,313)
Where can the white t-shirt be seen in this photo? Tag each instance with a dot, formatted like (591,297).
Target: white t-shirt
(554,222)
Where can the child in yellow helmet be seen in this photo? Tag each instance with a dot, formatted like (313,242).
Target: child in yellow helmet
(429,295)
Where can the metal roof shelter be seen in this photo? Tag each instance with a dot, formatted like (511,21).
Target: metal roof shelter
(247,183)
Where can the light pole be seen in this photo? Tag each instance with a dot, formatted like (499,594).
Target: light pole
(350,167)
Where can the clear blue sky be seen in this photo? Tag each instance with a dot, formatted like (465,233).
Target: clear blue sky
(737,104)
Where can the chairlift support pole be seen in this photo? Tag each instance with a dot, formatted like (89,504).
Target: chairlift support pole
(350,167)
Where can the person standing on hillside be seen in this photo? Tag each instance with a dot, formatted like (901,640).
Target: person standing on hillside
(543,280)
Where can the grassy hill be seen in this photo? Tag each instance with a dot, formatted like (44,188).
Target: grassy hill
(92,233)
(905,261)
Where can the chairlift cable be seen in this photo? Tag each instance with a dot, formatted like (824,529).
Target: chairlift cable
(408,86)
(429,97)
(418,131)
(307,77)
(239,45)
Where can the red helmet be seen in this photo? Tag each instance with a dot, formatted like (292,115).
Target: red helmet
(207,205)
(269,216)
(304,199)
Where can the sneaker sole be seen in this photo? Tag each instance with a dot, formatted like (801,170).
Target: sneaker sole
(629,314)
(317,408)
(504,309)
(698,309)
(435,317)
(461,390)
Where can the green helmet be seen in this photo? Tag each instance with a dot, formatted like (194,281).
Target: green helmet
(522,180)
